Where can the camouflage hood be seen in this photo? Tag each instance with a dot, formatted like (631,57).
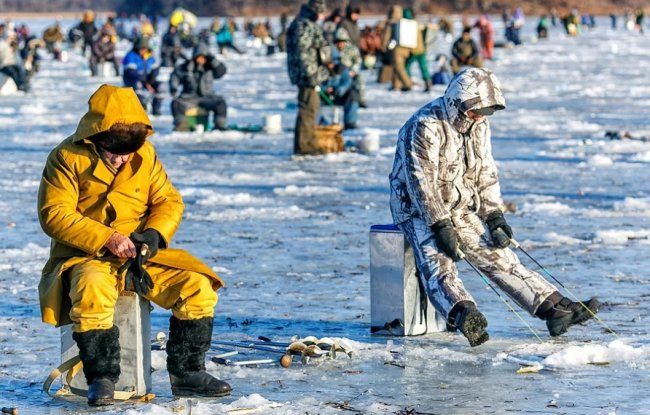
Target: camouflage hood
(471,89)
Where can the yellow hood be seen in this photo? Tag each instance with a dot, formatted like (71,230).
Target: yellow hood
(110,105)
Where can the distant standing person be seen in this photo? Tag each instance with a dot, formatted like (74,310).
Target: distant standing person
(401,81)
(307,52)
(225,38)
(486,31)
(350,24)
(419,53)
(170,47)
(446,198)
(87,27)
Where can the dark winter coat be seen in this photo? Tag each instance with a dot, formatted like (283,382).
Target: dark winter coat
(139,71)
(88,29)
(353,30)
(196,80)
(305,43)
(464,50)
(104,50)
(170,41)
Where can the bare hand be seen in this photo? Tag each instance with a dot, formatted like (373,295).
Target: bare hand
(120,246)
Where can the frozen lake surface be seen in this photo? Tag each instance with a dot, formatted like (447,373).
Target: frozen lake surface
(290,238)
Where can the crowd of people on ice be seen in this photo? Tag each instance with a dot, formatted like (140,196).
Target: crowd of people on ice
(444,190)
(390,48)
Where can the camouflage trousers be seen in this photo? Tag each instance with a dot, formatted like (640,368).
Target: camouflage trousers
(439,273)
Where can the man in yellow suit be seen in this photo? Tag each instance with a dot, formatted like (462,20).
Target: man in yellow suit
(111,211)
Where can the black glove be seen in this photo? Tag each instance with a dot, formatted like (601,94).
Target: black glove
(500,231)
(137,278)
(151,238)
(447,239)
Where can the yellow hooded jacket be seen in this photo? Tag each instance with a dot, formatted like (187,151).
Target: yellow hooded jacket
(81,203)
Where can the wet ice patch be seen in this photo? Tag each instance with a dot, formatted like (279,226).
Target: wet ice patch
(440,355)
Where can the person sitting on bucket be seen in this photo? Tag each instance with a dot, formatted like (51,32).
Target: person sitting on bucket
(195,77)
(339,90)
(445,191)
(103,196)
(465,52)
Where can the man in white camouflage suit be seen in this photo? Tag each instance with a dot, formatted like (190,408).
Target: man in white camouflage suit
(444,188)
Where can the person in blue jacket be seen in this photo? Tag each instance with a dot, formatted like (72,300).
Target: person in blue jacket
(340,89)
(140,73)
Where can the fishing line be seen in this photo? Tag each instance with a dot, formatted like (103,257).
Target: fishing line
(485,280)
(575,298)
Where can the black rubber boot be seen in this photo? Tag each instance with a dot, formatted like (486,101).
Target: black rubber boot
(99,351)
(561,313)
(470,322)
(189,340)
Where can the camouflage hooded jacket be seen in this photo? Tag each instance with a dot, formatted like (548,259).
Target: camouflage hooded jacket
(443,162)
(351,57)
(304,41)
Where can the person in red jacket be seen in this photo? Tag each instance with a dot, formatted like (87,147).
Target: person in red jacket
(486,30)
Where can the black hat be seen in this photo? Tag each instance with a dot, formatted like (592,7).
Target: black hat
(121,138)
(318,6)
(142,43)
(352,9)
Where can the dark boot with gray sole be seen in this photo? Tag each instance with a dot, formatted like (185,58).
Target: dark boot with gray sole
(471,323)
(561,313)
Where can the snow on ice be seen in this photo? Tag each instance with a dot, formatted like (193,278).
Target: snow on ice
(290,236)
